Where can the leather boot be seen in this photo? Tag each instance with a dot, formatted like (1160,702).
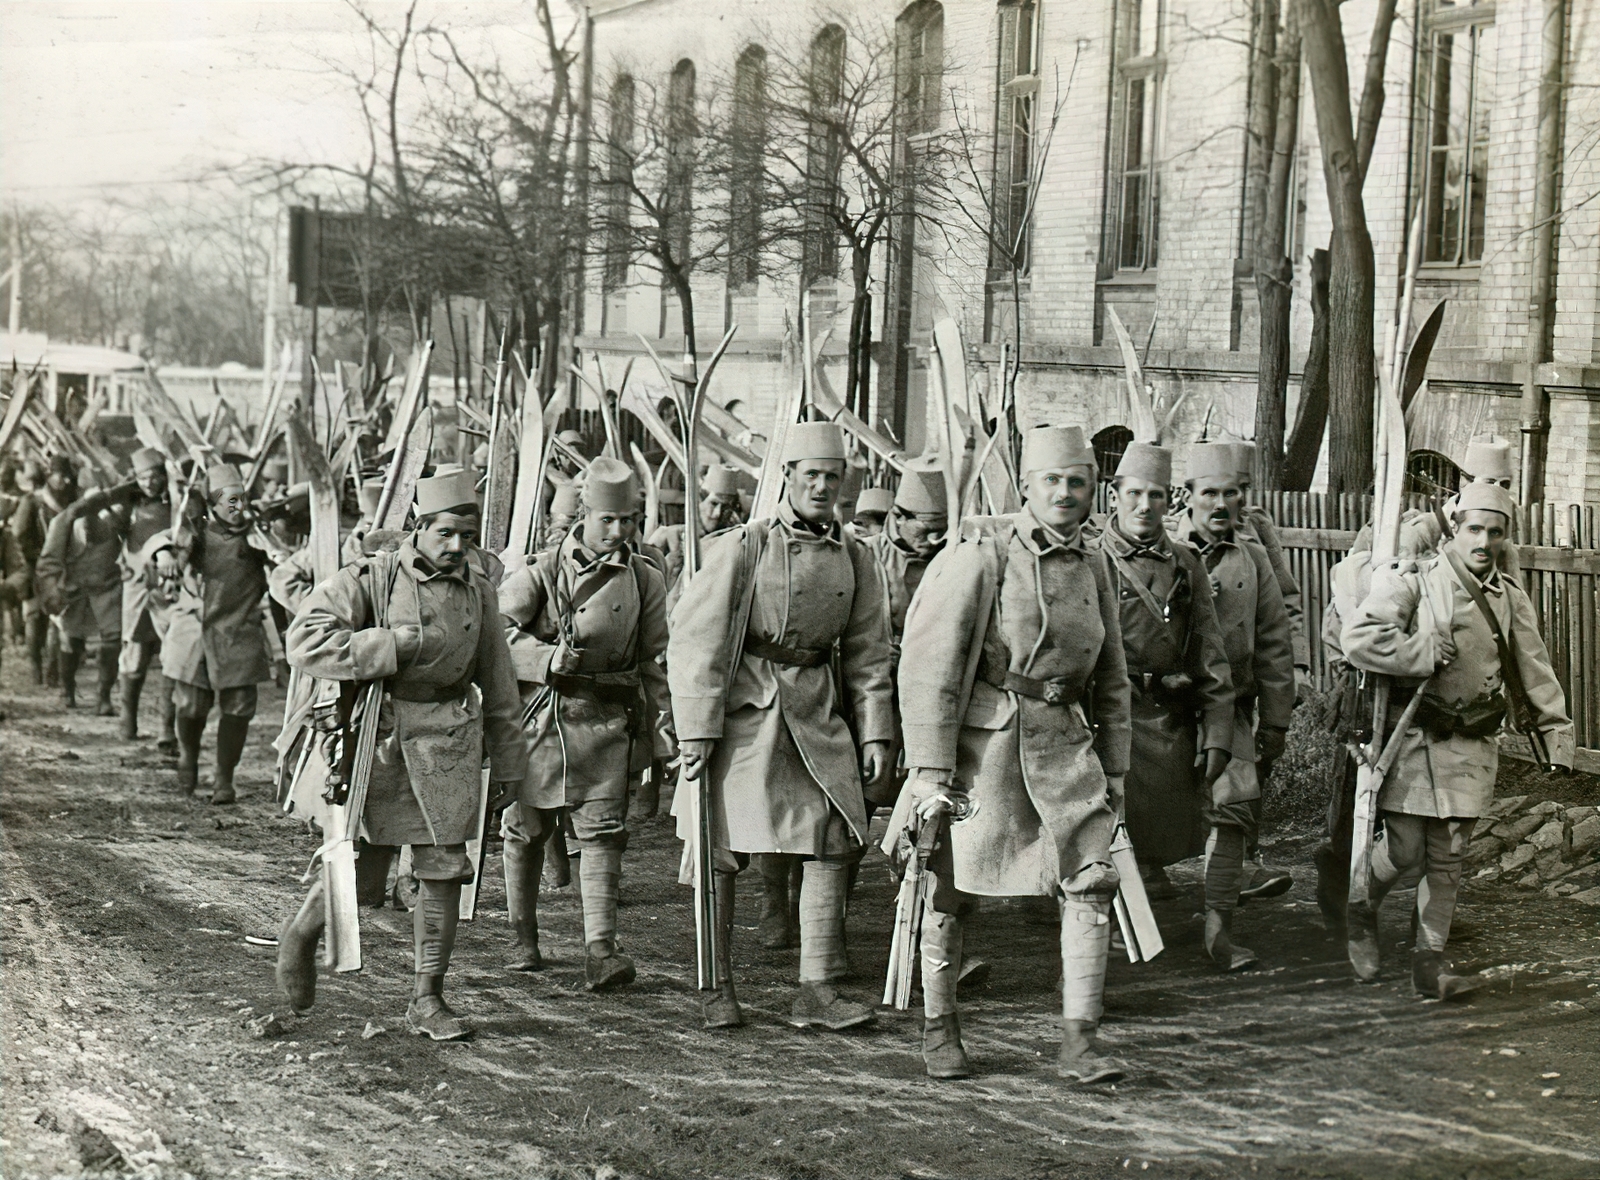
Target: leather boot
(776,932)
(372,873)
(52,656)
(70,656)
(1361,922)
(433,928)
(523,864)
(1220,945)
(1085,946)
(821,937)
(600,876)
(1333,887)
(167,743)
(106,680)
(297,951)
(128,728)
(35,627)
(190,730)
(942,1053)
(231,733)
(1431,976)
(557,861)
(720,1007)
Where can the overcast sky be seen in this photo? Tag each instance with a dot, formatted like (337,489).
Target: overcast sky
(99,96)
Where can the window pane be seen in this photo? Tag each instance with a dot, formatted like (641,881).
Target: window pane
(1134,113)
(1131,253)
(1146,28)
(1482,101)
(1449,103)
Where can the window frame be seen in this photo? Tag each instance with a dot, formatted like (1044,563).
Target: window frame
(1147,71)
(1452,20)
(1016,106)
(749,133)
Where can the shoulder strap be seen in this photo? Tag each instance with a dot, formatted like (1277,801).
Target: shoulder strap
(1510,673)
(1445,531)
(751,546)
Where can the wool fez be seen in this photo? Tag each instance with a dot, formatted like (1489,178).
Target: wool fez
(565,501)
(1489,458)
(220,476)
(1209,460)
(813,440)
(877,502)
(922,486)
(148,459)
(610,485)
(720,480)
(1244,459)
(442,492)
(1053,448)
(1487,497)
(368,495)
(1146,461)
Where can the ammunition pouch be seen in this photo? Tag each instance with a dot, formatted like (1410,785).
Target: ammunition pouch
(1480,718)
(1171,690)
(611,688)
(793,657)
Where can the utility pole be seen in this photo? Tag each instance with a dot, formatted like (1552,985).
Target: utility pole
(269,318)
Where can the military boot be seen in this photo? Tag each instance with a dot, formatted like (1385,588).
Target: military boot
(776,931)
(942,1053)
(167,743)
(599,877)
(1220,945)
(1085,946)
(190,730)
(523,863)
(52,656)
(231,733)
(128,718)
(1361,922)
(106,680)
(1431,976)
(1265,882)
(720,1007)
(69,656)
(821,937)
(36,626)
(297,951)
(433,929)
(372,873)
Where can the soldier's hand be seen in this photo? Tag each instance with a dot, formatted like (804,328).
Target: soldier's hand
(693,755)
(407,642)
(1270,741)
(931,793)
(1447,651)
(565,661)
(503,794)
(1216,764)
(874,761)
(1116,794)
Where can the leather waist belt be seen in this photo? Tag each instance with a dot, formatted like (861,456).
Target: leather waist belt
(1172,690)
(1474,719)
(429,694)
(616,688)
(794,657)
(1058,690)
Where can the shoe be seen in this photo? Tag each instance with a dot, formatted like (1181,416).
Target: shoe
(1080,1060)
(1362,940)
(429,1016)
(104,708)
(1333,888)
(222,792)
(820,1004)
(1266,883)
(603,974)
(720,1008)
(1220,945)
(1431,976)
(942,1053)
(297,965)
(167,747)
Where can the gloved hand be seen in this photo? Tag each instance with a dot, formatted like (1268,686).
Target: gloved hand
(1270,740)
(933,793)
(1216,764)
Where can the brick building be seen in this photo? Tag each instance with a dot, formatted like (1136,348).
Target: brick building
(1141,203)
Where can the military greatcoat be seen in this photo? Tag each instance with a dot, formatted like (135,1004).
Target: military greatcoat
(583,727)
(442,710)
(78,573)
(1181,688)
(1035,772)
(1399,629)
(785,758)
(145,609)
(215,638)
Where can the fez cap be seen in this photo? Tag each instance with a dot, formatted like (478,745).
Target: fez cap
(445,490)
(875,502)
(610,485)
(1489,458)
(220,476)
(148,459)
(720,480)
(1486,497)
(813,440)
(1209,460)
(1052,448)
(1244,459)
(368,495)
(1146,461)
(922,486)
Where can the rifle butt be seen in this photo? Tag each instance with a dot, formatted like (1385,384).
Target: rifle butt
(1134,902)
(343,935)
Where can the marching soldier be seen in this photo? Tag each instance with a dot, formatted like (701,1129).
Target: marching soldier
(721,508)
(1017,647)
(1464,633)
(873,506)
(145,610)
(48,494)
(1488,461)
(1256,635)
(757,708)
(585,624)
(563,508)
(80,587)
(1181,685)
(449,689)
(215,650)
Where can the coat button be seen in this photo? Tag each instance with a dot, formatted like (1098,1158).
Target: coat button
(794,546)
(616,606)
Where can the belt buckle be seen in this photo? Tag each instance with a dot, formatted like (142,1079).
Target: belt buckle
(1055,691)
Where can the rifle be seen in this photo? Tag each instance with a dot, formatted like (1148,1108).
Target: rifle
(1140,933)
(908,911)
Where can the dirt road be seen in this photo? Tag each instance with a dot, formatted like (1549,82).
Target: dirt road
(129,996)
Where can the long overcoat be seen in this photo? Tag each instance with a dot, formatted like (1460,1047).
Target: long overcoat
(215,638)
(146,610)
(583,736)
(441,710)
(78,573)
(786,754)
(1034,772)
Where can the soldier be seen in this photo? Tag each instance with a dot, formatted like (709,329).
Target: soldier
(873,506)
(1465,633)
(48,494)
(757,709)
(10,497)
(447,676)
(1488,461)
(1181,685)
(80,587)
(721,508)
(1256,636)
(563,508)
(215,650)
(585,624)
(145,610)
(292,579)
(1017,647)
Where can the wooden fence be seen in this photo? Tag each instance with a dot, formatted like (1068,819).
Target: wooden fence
(1557,545)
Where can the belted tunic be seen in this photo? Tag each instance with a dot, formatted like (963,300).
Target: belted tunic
(214,637)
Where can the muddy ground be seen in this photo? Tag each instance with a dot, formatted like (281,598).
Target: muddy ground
(130,991)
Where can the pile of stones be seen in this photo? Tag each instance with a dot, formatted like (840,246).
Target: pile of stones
(1539,845)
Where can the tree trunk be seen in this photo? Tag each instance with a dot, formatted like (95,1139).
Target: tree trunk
(1305,444)
(858,343)
(1275,272)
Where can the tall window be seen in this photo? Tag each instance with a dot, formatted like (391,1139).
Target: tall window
(1015,100)
(749,135)
(1136,133)
(824,154)
(1457,90)
(921,66)
(619,170)
(682,129)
